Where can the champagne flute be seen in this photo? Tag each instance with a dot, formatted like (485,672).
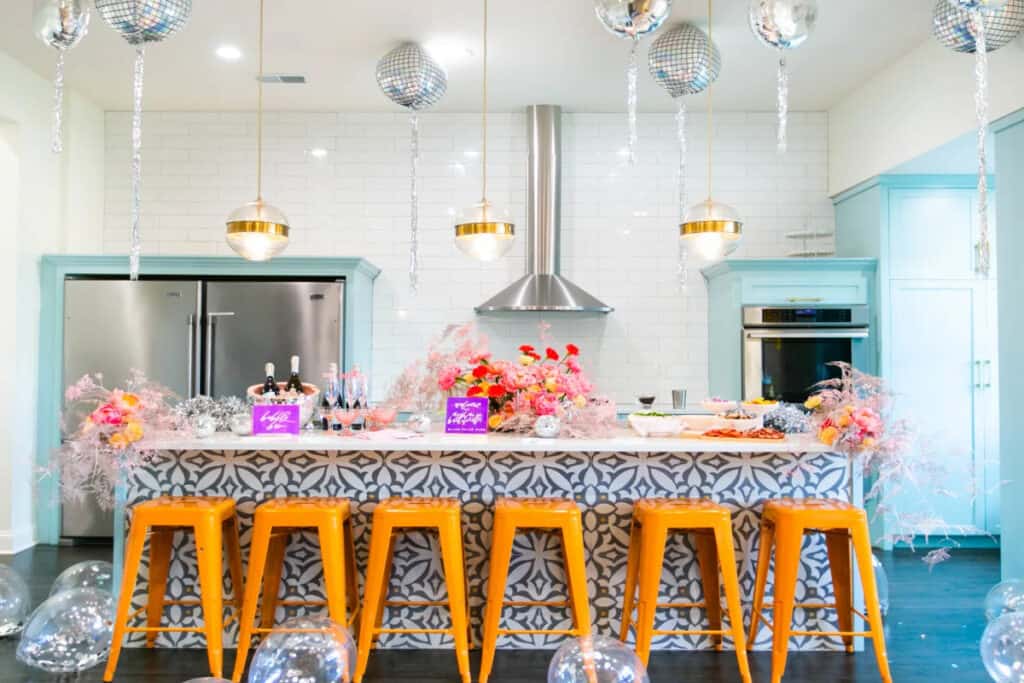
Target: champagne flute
(345,417)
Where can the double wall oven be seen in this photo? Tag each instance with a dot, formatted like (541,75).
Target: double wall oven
(788,349)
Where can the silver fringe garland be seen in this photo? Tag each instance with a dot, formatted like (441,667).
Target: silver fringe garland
(783,102)
(983,256)
(58,105)
(631,101)
(414,200)
(681,270)
(135,249)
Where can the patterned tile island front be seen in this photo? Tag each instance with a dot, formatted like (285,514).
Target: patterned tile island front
(604,475)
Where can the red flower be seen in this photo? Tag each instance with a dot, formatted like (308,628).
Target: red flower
(572,349)
(552,354)
(527,349)
(533,355)
(480,371)
(496,391)
(474,390)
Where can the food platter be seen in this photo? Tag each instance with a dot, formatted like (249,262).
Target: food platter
(762,435)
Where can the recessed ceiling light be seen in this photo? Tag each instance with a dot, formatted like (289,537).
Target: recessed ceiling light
(318,153)
(229,53)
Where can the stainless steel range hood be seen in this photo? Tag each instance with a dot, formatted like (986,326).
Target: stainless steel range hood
(542,288)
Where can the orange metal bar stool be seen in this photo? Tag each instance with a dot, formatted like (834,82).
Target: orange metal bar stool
(783,525)
(215,526)
(273,524)
(390,517)
(711,525)
(510,515)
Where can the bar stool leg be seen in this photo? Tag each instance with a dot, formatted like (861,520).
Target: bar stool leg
(862,546)
(160,543)
(707,557)
(632,566)
(838,545)
(351,574)
(727,559)
(501,555)
(652,557)
(385,587)
(271,571)
(764,558)
(333,556)
(380,542)
(454,572)
(576,573)
(257,561)
(233,545)
(132,560)
(788,539)
(209,553)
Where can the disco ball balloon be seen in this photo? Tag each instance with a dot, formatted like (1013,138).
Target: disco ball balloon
(305,650)
(1002,648)
(881,585)
(14,601)
(632,18)
(683,61)
(952,25)
(145,21)
(93,574)
(70,632)
(987,5)
(1004,597)
(61,23)
(782,24)
(596,659)
(411,78)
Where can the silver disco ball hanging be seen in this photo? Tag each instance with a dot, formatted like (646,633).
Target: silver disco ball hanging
(684,61)
(411,78)
(952,26)
(145,21)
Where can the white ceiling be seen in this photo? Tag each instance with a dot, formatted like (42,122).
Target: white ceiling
(550,51)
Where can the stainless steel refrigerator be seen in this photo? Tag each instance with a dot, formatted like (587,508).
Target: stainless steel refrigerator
(209,337)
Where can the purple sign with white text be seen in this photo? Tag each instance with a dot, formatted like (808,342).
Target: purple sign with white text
(275,419)
(466,415)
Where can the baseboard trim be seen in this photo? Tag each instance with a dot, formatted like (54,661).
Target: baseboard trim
(14,541)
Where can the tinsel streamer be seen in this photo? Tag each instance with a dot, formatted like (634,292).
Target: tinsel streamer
(631,102)
(414,200)
(983,256)
(58,105)
(135,249)
(783,101)
(681,137)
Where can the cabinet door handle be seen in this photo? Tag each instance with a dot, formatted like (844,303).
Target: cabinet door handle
(977,374)
(805,299)
(988,374)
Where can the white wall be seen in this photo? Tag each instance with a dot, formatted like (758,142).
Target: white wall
(59,203)
(919,102)
(620,224)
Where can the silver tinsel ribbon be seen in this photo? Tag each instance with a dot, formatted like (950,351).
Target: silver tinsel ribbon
(681,137)
(135,250)
(631,101)
(58,104)
(984,256)
(783,101)
(414,200)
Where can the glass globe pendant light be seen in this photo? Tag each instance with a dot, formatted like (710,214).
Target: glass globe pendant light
(711,229)
(484,231)
(258,231)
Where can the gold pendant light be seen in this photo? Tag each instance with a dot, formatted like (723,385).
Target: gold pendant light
(711,229)
(258,231)
(483,230)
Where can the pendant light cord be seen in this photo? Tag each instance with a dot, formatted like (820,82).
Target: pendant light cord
(711,108)
(259,115)
(483,154)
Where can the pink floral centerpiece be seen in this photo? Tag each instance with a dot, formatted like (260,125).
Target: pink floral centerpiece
(114,434)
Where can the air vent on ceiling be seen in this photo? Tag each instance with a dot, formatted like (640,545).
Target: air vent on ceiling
(291,79)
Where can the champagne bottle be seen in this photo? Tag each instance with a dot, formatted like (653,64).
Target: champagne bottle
(270,385)
(294,382)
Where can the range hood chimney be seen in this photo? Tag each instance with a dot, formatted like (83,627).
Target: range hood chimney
(542,288)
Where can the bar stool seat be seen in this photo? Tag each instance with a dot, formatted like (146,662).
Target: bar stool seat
(390,517)
(274,522)
(711,526)
(511,515)
(213,521)
(783,525)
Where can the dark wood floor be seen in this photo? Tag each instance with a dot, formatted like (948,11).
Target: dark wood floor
(934,626)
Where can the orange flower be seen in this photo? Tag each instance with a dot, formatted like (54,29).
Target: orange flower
(118,441)
(828,435)
(133,432)
(494,421)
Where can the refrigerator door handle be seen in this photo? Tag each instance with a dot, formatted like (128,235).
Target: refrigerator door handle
(191,355)
(211,319)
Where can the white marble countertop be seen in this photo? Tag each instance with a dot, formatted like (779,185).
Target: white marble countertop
(623,440)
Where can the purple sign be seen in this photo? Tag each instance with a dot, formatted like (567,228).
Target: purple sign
(275,419)
(466,415)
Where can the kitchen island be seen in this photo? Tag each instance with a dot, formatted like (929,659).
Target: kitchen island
(604,475)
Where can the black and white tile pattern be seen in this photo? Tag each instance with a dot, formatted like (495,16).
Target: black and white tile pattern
(604,483)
